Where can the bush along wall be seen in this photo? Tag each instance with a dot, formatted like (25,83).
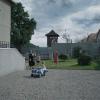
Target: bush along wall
(63,57)
(97,61)
(84,59)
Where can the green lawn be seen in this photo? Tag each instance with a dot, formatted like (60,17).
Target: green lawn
(70,64)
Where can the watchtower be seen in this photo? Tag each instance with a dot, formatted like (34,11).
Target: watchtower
(52,37)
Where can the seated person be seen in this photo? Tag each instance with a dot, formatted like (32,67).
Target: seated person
(44,67)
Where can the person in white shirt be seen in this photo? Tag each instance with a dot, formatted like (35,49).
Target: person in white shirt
(44,67)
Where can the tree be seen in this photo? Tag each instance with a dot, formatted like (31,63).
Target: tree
(68,45)
(22,27)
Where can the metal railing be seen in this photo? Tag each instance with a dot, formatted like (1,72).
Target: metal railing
(4,44)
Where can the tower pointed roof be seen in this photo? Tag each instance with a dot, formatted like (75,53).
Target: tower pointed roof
(52,33)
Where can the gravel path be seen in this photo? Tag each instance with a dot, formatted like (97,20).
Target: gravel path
(57,85)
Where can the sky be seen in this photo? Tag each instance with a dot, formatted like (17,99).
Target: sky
(76,18)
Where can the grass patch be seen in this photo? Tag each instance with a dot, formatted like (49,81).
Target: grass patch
(70,64)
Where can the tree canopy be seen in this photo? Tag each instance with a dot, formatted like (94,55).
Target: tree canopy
(22,27)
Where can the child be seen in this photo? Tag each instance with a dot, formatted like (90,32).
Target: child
(44,68)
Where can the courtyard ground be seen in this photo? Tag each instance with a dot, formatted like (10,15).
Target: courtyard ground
(57,85)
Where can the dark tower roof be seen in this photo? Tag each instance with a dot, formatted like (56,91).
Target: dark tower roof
(52,33)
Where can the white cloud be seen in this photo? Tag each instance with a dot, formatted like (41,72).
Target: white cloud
(88,20)
(90,13)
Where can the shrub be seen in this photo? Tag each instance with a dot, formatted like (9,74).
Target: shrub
(62,57)
(98,61)
(76,52)
(84,59)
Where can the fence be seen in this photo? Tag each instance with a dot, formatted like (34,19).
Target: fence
(44,56)
(4,44)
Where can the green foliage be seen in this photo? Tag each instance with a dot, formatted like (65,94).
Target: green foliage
(22,27)
(76,52)
(84,59)
(97,61)
(63,57)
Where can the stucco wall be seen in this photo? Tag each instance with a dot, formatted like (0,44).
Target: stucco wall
(10,60)
(91,49)
(5,21)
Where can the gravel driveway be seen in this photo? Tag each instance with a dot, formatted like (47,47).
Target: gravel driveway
(57,85)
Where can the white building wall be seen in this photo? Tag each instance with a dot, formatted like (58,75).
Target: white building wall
(5,21)
(10,60)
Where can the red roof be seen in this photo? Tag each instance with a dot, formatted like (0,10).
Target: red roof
(92,37)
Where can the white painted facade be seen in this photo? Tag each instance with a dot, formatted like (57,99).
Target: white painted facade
(5,21)
(10,59)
